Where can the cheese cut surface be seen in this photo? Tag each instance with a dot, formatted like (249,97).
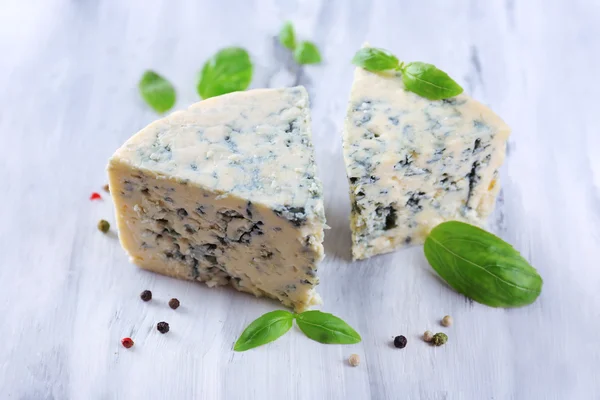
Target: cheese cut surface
(226,192)
(413,163)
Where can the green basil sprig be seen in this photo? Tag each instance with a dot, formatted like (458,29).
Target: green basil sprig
(319,326)
(374,59)
(307,53)
(265,329)
(287,36)
(157,91)
(326,328)
(229,70)
(304,52)
(421,78)
(428,81)
(481,266)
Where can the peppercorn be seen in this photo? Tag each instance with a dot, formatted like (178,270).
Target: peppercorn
(354,360)
(106,188)
(439,339)
(127,342)
(146,295)
(174,304)
(103,226)
(162,327)
(447,320)
(400,341)
(427,336)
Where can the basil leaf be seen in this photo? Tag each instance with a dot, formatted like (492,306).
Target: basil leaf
(157,91)
(429,82)
(374,59)
(326,328)
(265,329)
(307,53)
(230,70)
(481,265)
(287,37)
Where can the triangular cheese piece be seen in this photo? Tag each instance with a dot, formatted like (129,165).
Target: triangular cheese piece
(226,192)
(413,163)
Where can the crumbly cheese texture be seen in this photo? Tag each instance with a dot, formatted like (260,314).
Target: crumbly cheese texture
(226,192)
(413,163)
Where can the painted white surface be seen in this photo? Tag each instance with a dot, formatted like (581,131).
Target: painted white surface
(68,99)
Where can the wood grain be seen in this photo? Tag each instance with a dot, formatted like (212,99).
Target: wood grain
(68,99)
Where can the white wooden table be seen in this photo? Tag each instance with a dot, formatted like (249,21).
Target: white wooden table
(68,99)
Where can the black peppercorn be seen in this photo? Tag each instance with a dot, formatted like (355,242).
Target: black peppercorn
(146,295)
(174,304)
(400,341)
(162,327)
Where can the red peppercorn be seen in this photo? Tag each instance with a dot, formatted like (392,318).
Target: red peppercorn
(127,342)
(95,196)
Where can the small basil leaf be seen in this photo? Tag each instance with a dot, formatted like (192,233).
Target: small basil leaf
(230,70)
(374,59)
(429,82)
(157,91)
(326,328)
(265,329)
(481,265)
(307,53)
(287,37)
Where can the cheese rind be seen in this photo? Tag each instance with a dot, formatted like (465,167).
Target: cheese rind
(413,163)
(226,192)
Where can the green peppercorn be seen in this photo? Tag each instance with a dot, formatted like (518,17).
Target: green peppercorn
(439,339)
(103,226)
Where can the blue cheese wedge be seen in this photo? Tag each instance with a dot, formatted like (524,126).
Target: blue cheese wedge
(413,163)
(226,192)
